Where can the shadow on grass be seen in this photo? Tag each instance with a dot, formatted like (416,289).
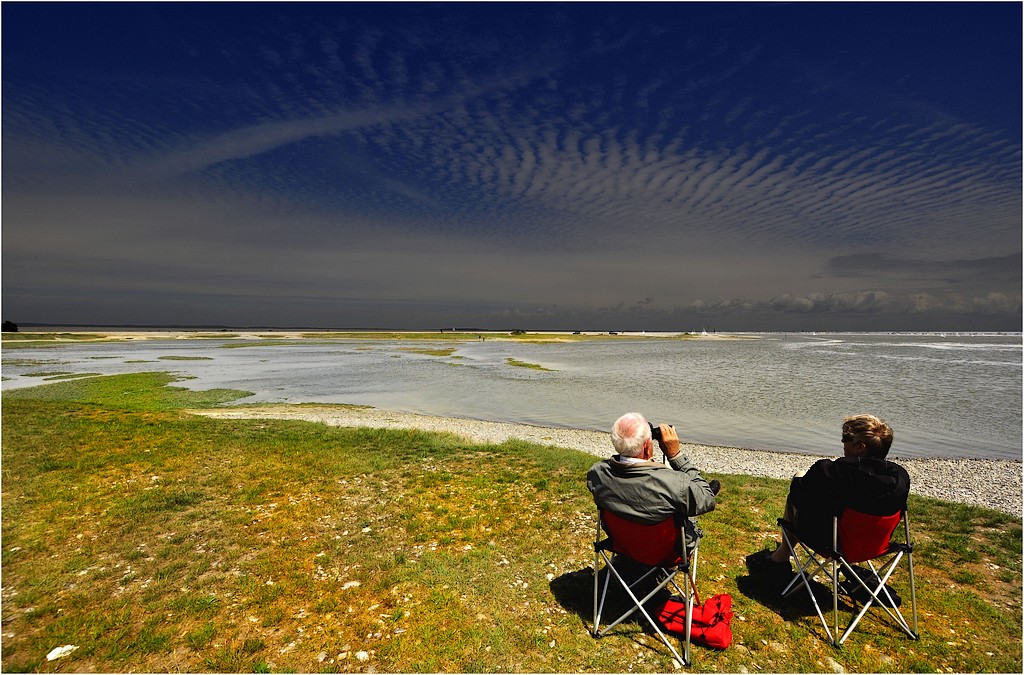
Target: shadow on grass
(764,583)
(574,591)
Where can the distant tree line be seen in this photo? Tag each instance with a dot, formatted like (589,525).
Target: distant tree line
(10,327)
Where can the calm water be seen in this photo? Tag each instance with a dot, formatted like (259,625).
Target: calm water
(944,395)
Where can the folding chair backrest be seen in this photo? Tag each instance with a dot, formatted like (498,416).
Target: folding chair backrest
(659,544)
(863,536)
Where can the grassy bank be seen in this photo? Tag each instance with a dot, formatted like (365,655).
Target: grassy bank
(158,541)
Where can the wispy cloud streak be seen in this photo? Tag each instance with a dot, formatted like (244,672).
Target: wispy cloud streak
(328,151)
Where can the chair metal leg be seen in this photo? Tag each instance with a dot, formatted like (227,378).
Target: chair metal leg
(910,564)
(804,578)
(628,587)
(835,582)
(835,600)
(691,598)
(608,552)
(877,594)
(638,605)
(597,562)
(812,564)
(689,592)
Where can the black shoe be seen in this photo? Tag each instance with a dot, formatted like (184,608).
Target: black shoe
(855,591)
(762,563)
(715,487)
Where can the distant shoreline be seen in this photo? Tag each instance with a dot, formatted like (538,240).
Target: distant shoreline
(994,484)
(52,334)
(299,332)
(55,335)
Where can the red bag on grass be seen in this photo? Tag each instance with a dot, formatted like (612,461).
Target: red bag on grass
(711,621)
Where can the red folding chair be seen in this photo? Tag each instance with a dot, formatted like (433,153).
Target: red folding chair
(856,538)
(658,550)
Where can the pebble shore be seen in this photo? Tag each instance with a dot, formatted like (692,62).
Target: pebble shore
(995,484)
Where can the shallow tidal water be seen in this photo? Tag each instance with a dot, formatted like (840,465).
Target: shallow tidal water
(945,395)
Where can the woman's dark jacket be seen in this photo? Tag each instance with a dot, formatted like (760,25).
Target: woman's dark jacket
(866,484)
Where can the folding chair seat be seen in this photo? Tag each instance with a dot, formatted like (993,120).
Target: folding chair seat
(856,538)
(660,553)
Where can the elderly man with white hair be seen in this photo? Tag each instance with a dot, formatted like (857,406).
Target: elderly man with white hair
(632,485)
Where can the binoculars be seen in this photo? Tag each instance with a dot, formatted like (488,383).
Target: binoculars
(655,431)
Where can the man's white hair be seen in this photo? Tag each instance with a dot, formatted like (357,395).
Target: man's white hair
(629,433)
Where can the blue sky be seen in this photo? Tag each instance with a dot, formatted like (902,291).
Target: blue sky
(666,166)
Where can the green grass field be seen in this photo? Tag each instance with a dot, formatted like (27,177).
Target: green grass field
(158,541)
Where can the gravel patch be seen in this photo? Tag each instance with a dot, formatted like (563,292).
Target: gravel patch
(995,484)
